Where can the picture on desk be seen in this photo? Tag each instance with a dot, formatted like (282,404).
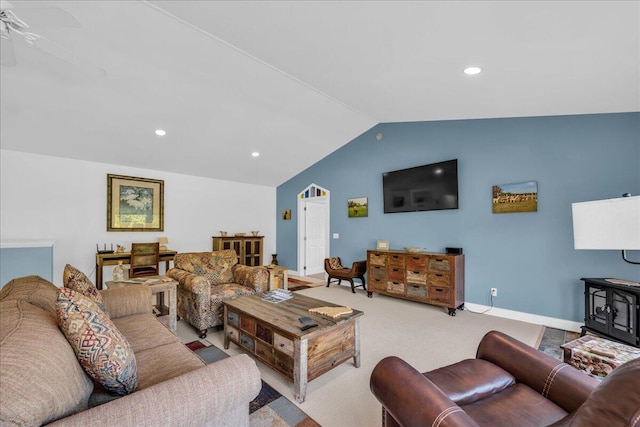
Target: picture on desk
(134,204)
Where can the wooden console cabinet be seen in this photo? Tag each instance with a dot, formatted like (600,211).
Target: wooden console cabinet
(612,310)
(248,248)
(430,278)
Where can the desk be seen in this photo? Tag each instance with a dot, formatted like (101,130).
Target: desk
(162,286)
(125,257)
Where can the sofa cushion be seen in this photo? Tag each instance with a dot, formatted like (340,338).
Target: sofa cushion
(144,331)
(102,350)
(334,263)
(33,289)
(215,266)
(40,377)
(79,282)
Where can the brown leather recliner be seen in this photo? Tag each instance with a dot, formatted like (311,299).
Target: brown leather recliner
(507,384)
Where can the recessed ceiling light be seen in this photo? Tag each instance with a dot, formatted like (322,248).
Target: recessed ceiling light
(470,71)
(161,132)
(255,154)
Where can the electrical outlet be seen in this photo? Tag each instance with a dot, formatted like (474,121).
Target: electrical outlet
(494,292)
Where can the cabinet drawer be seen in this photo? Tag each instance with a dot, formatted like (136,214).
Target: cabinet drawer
(233,334)
(395,287)
(248,324)
(439,294)
(417,291)
(439,264)
(265,352)
(284,364)
(377,284)
(247,341)
(395,274)
(283,344)
(395,261)
(377,259)
(377,271)
(264,333)
(439,279)
(417,276)
(416,263)
(233,319)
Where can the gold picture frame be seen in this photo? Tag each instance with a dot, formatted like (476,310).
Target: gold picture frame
(134,204)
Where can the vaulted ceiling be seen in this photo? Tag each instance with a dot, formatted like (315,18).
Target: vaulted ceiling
(296,80)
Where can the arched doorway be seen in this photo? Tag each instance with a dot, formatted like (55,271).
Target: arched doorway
(313,229)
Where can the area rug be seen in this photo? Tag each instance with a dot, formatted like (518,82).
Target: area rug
(299,284)
(270,408)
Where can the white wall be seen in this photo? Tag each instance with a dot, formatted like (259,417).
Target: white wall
(64,200)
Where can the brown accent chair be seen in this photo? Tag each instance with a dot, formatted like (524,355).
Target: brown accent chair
(507,384)
(145,258)
(335,270)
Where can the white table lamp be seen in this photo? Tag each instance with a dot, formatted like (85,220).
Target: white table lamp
(611,224)
(163,243)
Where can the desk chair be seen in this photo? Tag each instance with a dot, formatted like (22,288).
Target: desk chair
(335,270)
(145,258)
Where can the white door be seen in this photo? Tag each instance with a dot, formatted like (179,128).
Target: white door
(313,229)
(316,237)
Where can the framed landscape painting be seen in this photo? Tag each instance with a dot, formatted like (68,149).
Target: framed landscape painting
(357,208)
(134,204)
(516,197)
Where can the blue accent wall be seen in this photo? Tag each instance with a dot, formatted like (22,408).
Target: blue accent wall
(529,257)
(26,261)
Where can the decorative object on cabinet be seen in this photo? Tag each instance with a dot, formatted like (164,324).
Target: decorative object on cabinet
(611,224)
(254,233)
(248,248)
(516,197)
(429,278)
(357,208)
(412,249)
(335,270)
(612,309)
(286,214)
(134,204)
(274,259)
(223,233)
(163,243)
(382,245)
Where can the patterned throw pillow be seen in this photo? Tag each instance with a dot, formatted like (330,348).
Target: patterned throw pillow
(104,353)
(75,279)
(334,263)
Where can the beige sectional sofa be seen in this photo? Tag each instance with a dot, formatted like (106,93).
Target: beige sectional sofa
(41,380)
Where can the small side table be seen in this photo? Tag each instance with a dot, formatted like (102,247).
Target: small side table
(160,285)
(278,277)
(597,356)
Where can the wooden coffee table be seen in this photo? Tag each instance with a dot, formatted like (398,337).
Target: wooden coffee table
(271,332)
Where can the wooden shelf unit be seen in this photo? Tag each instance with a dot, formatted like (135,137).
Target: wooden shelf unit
(429,278)
(248,248)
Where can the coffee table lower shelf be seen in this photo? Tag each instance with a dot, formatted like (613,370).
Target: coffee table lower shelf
(271,333)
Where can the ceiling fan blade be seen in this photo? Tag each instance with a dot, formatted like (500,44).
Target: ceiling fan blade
(7,53)
(50,17)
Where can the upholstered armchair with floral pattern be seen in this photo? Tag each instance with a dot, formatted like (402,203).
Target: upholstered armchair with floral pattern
(206,279)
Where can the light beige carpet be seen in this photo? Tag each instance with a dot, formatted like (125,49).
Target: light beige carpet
(425,336)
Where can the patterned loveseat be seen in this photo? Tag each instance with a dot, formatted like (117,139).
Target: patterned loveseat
(206,279)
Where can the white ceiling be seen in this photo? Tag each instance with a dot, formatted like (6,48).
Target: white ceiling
(297,80)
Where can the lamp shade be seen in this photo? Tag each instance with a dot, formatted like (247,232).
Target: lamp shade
(607,224)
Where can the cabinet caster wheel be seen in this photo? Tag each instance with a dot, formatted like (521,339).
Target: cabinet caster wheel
(452,311)
(369,294)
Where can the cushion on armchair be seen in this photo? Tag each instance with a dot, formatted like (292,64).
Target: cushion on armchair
(335,264)
(215,266)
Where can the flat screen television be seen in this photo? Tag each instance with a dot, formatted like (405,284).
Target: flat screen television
(422,188)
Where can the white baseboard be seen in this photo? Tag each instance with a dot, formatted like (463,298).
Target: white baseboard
(552,322)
